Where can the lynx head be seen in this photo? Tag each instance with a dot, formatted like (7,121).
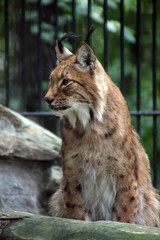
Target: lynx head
(77,86)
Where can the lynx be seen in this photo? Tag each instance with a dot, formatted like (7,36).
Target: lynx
(106,173)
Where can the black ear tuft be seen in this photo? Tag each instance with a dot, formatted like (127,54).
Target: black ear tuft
(66,36)
(60,46)
(92,29)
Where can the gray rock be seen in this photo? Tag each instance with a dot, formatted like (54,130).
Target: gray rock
(15,124)
(14,146)
(28,154)
(56,174)
(18,189)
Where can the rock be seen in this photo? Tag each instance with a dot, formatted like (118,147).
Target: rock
(19,225)
(18,188)
(28,153)
(56,174)
(51,187)
(15,124)
(15,147)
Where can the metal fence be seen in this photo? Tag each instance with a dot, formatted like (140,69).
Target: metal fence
(40,112)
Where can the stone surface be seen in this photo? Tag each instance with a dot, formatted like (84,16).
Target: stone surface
(16,147)
(39,227)
(18,188)
(15,124)
(28,154)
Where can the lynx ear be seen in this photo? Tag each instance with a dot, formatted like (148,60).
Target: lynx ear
(62,52)
(85,57)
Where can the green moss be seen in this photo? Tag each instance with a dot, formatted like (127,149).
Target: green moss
(34,227)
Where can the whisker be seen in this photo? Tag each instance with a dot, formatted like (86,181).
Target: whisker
(48,69)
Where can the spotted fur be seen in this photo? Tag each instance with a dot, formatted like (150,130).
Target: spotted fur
(106,173)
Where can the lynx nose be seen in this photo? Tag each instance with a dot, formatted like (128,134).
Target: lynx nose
(48,100)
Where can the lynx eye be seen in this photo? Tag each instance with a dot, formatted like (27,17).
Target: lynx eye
(65,82)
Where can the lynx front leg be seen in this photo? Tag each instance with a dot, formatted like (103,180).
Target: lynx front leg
(74,204)
(126,204)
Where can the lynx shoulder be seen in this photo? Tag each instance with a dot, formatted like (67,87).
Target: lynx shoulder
(106,173)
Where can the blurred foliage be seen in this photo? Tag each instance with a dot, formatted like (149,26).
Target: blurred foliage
(64,24)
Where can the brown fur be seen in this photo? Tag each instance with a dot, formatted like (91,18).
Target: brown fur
(106,173)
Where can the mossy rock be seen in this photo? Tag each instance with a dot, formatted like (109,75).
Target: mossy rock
(19,225)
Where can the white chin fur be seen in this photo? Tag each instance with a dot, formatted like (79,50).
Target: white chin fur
(60,113)
(78,111)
